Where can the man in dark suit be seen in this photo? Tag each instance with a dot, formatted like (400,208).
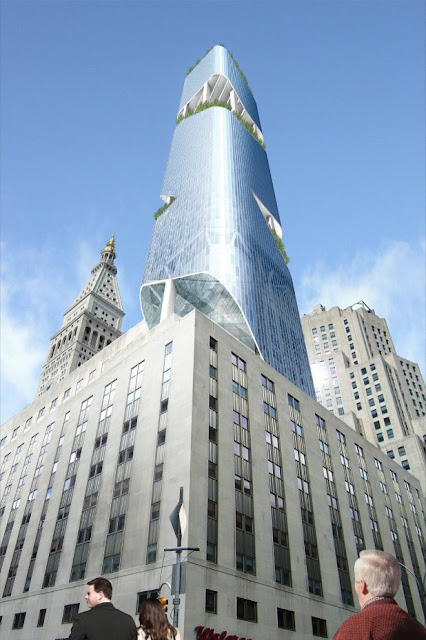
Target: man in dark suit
(103,621)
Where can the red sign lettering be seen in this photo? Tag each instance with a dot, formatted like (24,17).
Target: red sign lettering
(204,633)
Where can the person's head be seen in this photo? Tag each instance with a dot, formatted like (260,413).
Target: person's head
(100,590)
(153,619)
(376,574)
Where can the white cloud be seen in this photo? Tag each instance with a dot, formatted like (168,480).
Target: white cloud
(390,280)
(37,287)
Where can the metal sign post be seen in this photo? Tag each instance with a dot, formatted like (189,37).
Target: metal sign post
(178,520)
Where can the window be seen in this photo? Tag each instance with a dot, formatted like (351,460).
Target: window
(112,563)
(124,455)
(151,553)
(286,619)
(211,552)
(95,470)
(246,610)
(238,362)
(117,524)
(18,620)
(142,596)
(405,465)
(120,488)
(293,402)
(67,393)
(155,511)
(211,601)
(70,612)
(41,617)
(158,472)
(319,627)
(315,586)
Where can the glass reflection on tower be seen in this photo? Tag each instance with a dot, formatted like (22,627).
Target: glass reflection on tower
(214,247)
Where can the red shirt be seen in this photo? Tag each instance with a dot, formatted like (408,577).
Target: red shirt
(381,620)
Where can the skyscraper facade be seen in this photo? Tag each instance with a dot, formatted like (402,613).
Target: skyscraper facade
(359,376)
(279,496)
(216,244)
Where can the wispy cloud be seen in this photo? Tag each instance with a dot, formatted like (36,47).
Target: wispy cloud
(37,285)
(391,280)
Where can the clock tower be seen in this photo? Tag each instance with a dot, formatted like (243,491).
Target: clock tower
(91,323)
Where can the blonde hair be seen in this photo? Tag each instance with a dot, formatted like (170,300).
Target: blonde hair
(380,570)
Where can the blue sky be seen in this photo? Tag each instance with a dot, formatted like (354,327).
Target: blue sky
(89,94)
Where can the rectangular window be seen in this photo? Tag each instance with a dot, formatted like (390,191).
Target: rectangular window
(70,612)
(211,601)
(286,619)
(142,596)
(18,620)
(211,552)
(246,610)
(158,472)
(155,511)
(41,617)
(319,627)
(293,402)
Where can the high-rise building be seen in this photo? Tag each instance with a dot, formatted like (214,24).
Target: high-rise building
(216,242)
(359,377)
(92,322)
(181,415)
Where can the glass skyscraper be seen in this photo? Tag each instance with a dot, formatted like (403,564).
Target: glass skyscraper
(215,243)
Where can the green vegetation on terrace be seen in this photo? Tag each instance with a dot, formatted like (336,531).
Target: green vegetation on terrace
(242,74)
(280,245)
(198,61)
(207,105)
(161,210)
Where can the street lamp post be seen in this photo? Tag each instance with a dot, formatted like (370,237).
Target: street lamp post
(420,586)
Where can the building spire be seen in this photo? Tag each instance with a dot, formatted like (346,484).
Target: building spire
(91,323)
(109,248)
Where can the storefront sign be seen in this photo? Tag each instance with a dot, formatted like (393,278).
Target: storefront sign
(204,633)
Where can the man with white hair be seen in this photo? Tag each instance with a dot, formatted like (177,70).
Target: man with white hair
(377,579)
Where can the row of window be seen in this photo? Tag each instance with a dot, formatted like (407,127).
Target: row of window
(245,610)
